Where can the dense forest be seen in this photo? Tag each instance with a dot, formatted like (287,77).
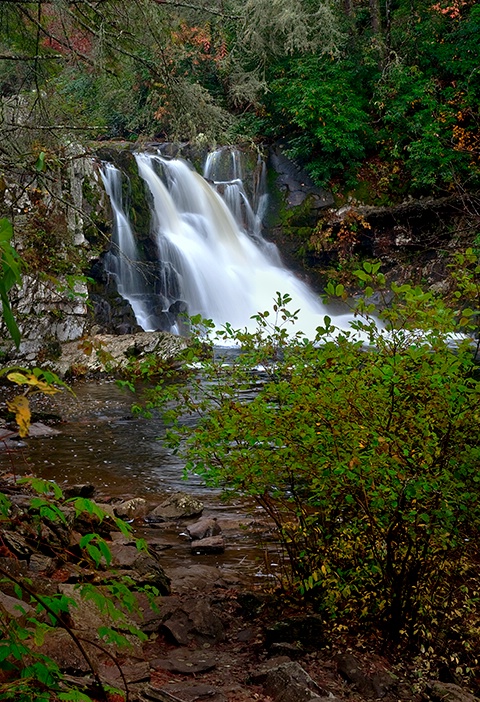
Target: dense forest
(378,96)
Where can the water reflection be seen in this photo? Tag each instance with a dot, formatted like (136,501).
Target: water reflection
(100,441)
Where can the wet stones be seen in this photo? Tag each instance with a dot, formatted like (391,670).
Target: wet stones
(176,506)
(204,528)
(206,536)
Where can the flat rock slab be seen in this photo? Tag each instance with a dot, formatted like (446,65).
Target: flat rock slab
(186,661)
(133,672)
(38,429)
(200,578)
(212,544)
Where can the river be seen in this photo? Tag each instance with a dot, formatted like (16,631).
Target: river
(99,441)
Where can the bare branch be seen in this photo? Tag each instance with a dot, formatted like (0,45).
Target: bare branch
(51,57)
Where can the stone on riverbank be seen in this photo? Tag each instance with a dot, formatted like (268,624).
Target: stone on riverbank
(204,528)
(212,544)
(177,506)
(289,682)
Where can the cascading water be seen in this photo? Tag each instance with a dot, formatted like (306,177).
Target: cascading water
(212,259)
(122,260)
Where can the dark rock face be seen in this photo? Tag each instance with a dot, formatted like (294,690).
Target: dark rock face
(296,185)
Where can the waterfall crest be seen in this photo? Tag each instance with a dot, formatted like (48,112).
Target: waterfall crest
(212,258)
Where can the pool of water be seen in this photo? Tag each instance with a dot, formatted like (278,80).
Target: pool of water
(100,441)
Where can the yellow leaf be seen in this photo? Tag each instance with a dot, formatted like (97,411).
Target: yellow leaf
(18,378)
(20,406)
(32,380)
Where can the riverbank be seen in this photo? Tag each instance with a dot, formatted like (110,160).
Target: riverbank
(210,632)
(225,604)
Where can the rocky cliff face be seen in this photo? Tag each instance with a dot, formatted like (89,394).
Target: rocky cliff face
(61,219)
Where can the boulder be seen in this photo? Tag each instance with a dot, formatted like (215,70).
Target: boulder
(136,508)
(61,648)
(176,506)
(15,608)
(145,568)
(192,621)
(213,544)
(204,528)
(448,692)
(370,686)
(289,682)
(86,490)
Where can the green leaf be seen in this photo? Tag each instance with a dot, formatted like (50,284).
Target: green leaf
(40,162)
(73,696)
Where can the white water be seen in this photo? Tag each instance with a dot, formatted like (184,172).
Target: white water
(211,252)
(122,261)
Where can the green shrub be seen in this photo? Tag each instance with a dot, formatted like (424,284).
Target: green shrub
(315,106)
(367,461)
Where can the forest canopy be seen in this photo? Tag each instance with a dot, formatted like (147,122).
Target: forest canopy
(382,92)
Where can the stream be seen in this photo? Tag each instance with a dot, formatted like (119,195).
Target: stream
(100,442)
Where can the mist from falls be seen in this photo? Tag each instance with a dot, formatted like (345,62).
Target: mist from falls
(212,258)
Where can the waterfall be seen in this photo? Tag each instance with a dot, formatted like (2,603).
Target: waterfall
(212,258)
(122,261)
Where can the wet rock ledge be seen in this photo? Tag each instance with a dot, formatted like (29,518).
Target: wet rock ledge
(99,354)
(107,353)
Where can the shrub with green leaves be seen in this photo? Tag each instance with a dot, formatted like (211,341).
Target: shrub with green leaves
(317,108)
(26,673)
(365,452)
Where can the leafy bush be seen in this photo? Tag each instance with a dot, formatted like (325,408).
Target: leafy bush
(314,104)
(367,461)
(25,672)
